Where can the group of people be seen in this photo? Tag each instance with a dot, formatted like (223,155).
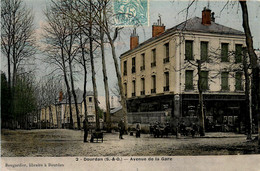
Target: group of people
(194,129)
(181,128)
(121,127)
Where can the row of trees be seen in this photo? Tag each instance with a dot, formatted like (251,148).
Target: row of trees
(18,46)
(75,35)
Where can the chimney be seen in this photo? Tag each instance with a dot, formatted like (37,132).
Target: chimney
(206,16)
(60,96)
(213,17)
(134,40)
(158,28)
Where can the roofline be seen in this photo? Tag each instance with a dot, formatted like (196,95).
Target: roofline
(158,38)
(173,30)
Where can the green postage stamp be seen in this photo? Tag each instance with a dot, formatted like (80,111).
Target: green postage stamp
(131,12)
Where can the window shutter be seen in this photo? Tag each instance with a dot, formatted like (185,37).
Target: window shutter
(224,52)
(204,51)
(188,50)
(238,54)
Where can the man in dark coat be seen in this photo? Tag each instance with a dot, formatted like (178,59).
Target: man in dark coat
(121,126)
(86,128)
(138,130)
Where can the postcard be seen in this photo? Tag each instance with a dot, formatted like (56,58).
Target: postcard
(130,85)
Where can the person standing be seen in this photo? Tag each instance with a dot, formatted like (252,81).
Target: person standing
(138,130)
(86,128)
(121,127)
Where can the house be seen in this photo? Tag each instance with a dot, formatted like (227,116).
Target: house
(58,115)
(160,75)
(116,116)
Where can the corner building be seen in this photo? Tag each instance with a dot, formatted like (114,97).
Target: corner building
(160,75)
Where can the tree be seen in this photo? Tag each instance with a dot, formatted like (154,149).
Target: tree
(5,102)
(24,99)
(17,41)
(254,64)
(253,60)
(17,35)
(61,48)
(107,25)
(102,13)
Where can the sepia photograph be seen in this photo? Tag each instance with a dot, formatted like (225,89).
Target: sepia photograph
(153,84)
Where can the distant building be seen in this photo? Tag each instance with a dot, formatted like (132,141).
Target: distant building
(59,115)
(159,76)
(116,116)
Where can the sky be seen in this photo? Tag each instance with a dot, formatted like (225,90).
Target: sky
(170,10)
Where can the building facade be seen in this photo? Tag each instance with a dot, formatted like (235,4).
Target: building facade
(160,75)
(58,115)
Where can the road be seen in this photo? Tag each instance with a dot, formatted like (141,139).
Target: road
(64,142)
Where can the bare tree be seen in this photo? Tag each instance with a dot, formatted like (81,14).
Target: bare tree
(107,26)
(101,9)
(254,64)
(17,35)
(55,40)
(17,39)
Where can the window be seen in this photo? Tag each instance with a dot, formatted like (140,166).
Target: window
(204,51)
(153,90)
(189,50)
(167,82)
(189,80)
(125,67)
(224,52)
(153,58)
(204,80)
(90,110)
(143,86)
(133,88)
(143,62)
(238,78)
(133,65)
(90,99)
(224,81)
(238,53)
(167,54)
(125,88)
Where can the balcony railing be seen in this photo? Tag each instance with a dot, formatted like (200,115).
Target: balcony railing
(133,69)
(153,64)
(142,92)
(133,94)
(153,90)
(142,68)
(166,88)
(165,60)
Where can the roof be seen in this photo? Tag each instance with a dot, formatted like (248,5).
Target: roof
(79,94)
(194,25)
(115,109)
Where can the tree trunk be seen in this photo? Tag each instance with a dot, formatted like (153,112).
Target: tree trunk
(74,95)
(119,81)
(85,76)
(45,117)
(93,68)
(50,115)
(70,107)
(201,107)
(254,64)
(248,105)
(108,117)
